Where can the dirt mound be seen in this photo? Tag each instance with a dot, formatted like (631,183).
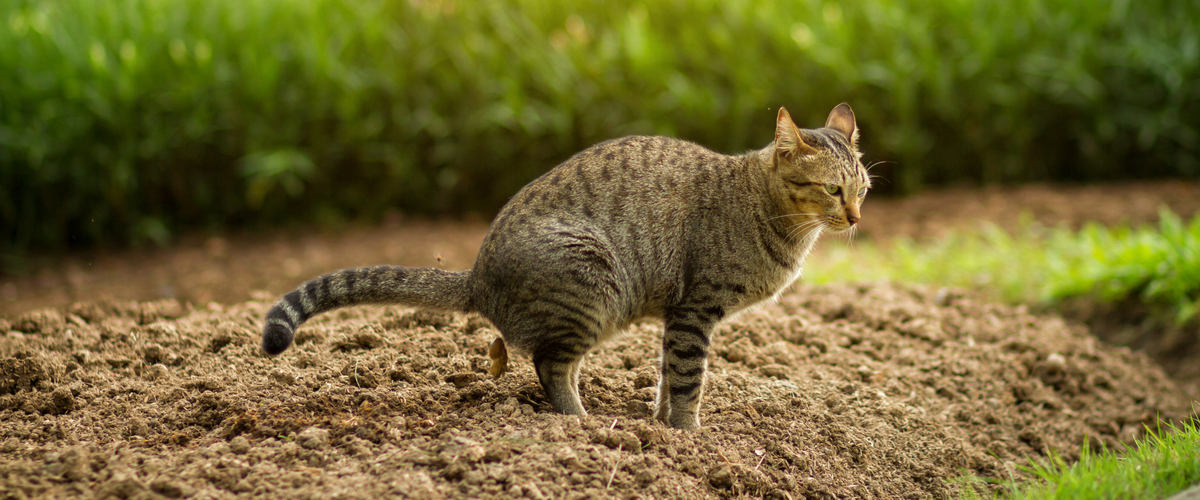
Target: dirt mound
(877,391)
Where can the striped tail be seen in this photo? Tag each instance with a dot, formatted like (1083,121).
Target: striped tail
(423,287)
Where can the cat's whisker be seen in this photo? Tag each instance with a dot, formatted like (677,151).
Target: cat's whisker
(807,227)
(794,231)
(877,163)
(850,236)
(791,215)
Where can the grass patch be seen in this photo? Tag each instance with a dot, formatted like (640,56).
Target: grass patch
(1157,265)
(1164,462)
(121,122)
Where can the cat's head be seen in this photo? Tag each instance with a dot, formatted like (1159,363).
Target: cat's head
(817,172)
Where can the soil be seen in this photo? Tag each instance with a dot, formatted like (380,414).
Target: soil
(871,391)
(851,391)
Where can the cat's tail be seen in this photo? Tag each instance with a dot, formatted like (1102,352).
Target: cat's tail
(423,287)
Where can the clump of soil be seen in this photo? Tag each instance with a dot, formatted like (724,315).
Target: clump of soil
(1146,327)
(874,391)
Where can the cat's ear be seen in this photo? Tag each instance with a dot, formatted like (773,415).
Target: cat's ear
(787,137)
(841,119)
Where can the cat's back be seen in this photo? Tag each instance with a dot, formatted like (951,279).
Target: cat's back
(605,180)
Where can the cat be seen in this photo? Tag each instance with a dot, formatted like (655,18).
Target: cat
(630,228)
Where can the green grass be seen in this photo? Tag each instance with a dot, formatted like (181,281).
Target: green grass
(126,121)
(1157,265)
(1164,462)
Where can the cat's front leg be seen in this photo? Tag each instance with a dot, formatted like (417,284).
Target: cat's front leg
(684,362)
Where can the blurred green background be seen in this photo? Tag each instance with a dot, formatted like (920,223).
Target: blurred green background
(128,121)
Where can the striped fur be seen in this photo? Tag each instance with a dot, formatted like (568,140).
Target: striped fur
(631,228)
(421,287)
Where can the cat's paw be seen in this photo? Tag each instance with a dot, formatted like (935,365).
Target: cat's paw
(662,413)
(685,422)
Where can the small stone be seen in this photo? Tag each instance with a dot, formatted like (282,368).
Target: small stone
(282,376)
(1056,360)
(157,372)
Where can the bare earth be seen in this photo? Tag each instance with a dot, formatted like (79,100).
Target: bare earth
(853,391)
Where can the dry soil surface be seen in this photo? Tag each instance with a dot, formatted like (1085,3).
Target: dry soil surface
(856,391)
(871,391)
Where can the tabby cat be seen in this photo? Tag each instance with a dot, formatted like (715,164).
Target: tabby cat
(630,228)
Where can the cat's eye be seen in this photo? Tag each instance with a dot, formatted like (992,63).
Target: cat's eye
(832,188)
(862,193)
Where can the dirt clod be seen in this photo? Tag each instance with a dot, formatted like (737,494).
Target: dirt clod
(461,380)
(219,341)
(44,321)
(61,401)
(313,438)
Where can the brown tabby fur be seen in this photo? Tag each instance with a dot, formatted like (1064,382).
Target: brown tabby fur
(630,228)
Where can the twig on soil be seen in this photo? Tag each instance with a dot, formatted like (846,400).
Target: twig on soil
(616,465)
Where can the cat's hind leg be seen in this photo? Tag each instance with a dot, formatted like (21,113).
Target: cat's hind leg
(558,365)
(554,296)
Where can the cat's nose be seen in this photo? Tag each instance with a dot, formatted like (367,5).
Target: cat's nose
(851,218)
